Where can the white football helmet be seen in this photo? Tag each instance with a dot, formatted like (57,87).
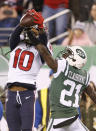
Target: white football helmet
(78,58)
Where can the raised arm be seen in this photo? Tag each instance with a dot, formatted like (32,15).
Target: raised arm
(15,37)
(47,57)
(91,91)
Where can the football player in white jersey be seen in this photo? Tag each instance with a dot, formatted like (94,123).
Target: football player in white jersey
(24,65)
(69,81)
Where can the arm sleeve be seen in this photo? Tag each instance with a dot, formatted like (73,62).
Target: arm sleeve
(87,79)
(62,65)
(15,37)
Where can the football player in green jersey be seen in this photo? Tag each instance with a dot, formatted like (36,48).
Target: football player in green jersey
(68,83)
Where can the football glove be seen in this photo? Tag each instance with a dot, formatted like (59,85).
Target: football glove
(38,18)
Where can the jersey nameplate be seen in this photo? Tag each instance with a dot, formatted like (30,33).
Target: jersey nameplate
(76,77)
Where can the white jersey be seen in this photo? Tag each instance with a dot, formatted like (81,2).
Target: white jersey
(24,64)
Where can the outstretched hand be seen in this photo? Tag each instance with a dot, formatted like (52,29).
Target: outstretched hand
(38,18)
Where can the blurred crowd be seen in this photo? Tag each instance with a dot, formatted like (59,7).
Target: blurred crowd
(79,33)
(83,14)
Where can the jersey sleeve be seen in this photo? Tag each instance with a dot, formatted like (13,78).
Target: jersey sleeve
(62,66)
(88,79)
(15,37)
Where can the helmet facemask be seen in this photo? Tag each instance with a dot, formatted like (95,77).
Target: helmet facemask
(65,53)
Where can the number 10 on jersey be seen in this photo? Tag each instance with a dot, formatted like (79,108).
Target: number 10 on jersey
(19,59)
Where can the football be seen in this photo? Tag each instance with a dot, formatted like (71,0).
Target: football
(27,20)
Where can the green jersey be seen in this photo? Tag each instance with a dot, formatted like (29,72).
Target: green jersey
(66,87)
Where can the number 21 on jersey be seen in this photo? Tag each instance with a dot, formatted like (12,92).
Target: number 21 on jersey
(20,59)
(69,93)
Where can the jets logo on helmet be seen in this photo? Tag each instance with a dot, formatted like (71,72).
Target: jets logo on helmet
(79,57)
(80,53)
